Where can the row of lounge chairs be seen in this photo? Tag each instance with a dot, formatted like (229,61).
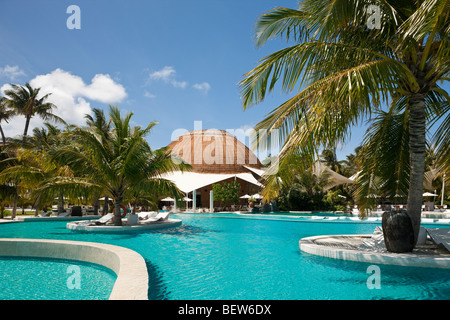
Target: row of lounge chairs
(143,217)
(48,214)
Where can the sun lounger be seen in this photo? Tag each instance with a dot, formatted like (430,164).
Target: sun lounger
(64,214)
(146,214)
(45,214)
(162,216)
(105,219)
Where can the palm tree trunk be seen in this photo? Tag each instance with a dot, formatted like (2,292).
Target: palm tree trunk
(27,124)
(60,204)
(96,205)
(16,195)
(3,136)
(417,142)
(37,207)
(105,206)
(117,220)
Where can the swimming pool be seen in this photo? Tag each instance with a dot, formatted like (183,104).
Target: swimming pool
(27,278)
(227,256)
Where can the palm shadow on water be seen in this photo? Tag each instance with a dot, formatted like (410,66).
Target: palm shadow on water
(184,230)
(156,288)
(353,272)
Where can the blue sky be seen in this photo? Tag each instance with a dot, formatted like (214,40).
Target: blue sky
(175,61)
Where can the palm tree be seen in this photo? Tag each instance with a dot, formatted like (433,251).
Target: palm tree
(24,100)
(329,158)
(30,164)
(346,72)
(5,115)
(117,165)
(101,127)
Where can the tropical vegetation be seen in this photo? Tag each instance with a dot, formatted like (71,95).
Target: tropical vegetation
(227,193)
(347,72)
(108,157)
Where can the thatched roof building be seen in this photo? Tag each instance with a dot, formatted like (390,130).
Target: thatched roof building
(214,151)
(215,156)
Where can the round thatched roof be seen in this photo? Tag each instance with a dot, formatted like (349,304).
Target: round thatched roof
(214,151)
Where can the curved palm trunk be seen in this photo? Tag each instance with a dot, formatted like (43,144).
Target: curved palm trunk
(3,136)
(417,130)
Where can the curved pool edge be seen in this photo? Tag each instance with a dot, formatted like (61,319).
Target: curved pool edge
(308,245)
(130,267)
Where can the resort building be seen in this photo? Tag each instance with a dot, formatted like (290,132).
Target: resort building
(216,156)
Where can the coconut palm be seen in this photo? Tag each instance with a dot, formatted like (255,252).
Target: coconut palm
(346,72)
(101,127)
(117,165)
(24,100)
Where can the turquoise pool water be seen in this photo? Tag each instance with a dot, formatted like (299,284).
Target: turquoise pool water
(226,256)
(53,279)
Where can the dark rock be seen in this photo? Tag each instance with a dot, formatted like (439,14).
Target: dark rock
(398,231)
(274,206)
(76,211)
(266,207)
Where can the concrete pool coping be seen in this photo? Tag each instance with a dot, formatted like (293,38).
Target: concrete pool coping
(339,247)
(130,267)
(55,218)
(79,226)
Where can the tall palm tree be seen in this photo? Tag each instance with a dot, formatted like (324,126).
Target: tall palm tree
(346,71)
(101,127)
(116,165)
(24,100)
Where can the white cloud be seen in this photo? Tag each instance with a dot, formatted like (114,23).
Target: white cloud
(203,87)
(11,72)
(71,95)
(149,95)
(167,74)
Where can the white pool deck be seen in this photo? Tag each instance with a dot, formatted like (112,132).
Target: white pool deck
(345,247)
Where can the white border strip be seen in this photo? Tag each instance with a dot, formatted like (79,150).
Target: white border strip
(402,259)
(130,267)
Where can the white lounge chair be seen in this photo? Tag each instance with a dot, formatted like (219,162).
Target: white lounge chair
(105,219)
(45,214)
(146,214)
(64,214)
(162,216)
